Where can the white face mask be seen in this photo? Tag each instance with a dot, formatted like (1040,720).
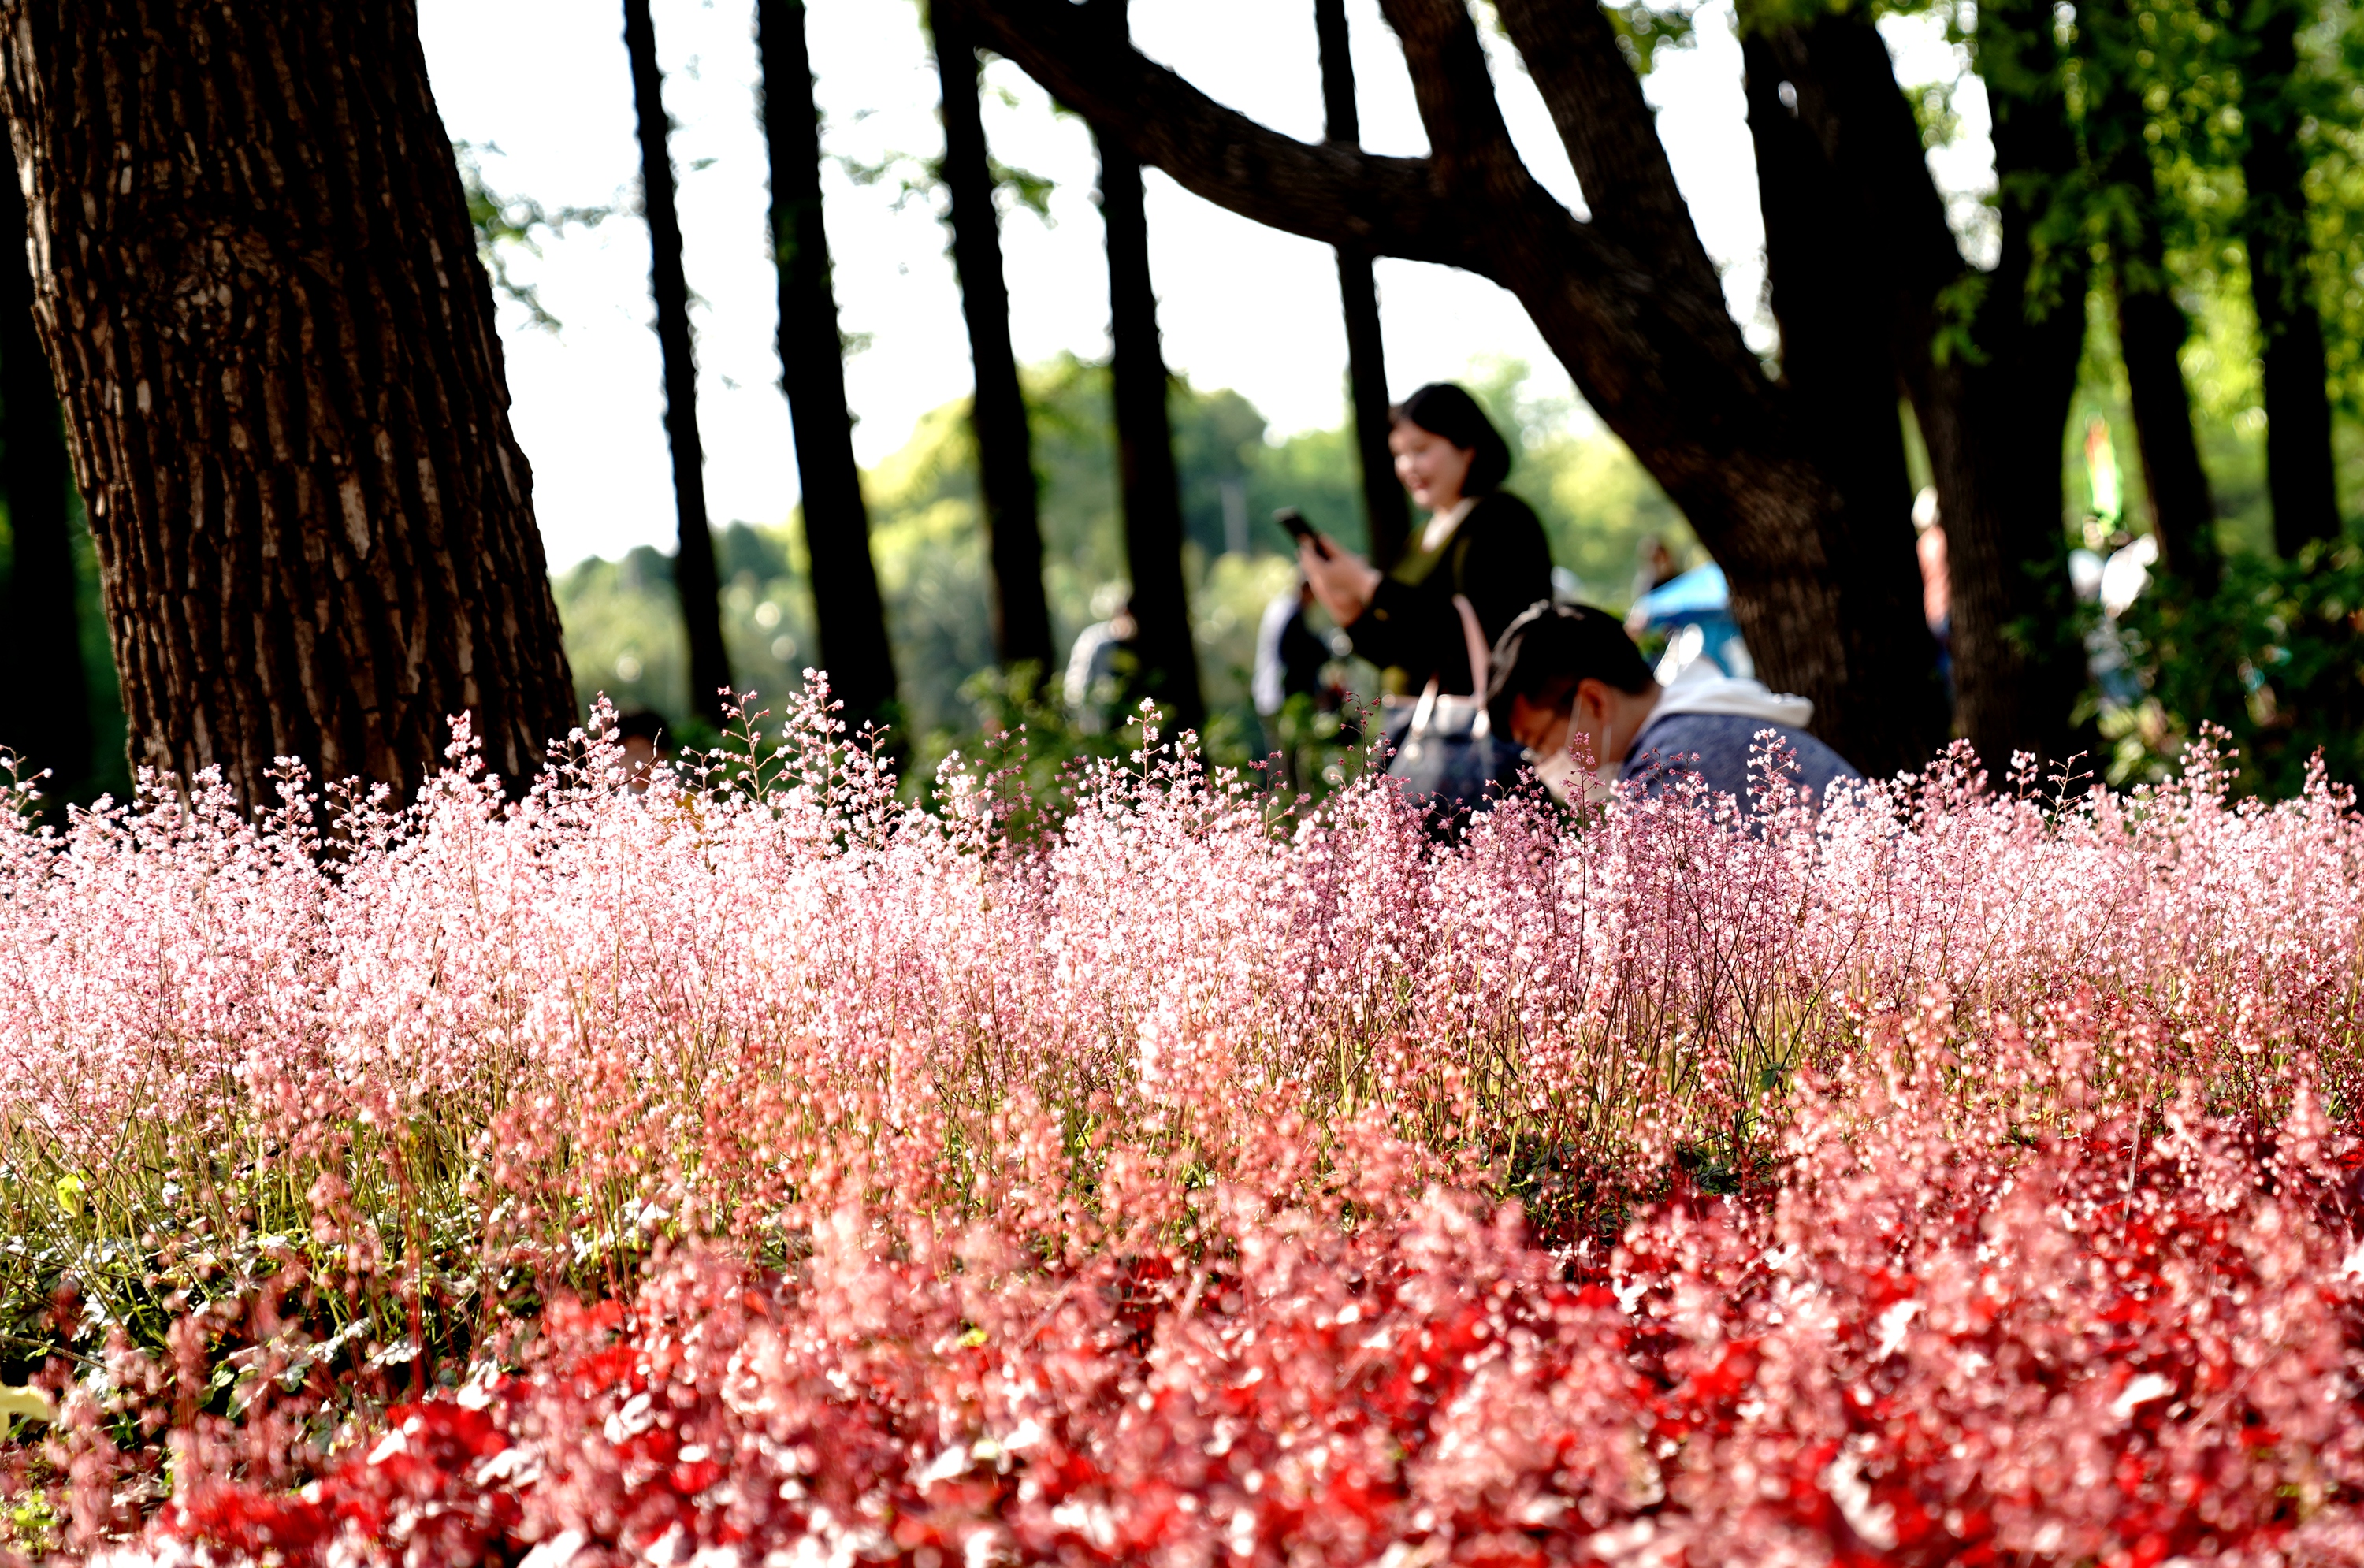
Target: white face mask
(1554,773)
(1560,775)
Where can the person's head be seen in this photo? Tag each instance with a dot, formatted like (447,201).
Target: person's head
(1654,557)
(1444,446)
(1568,672)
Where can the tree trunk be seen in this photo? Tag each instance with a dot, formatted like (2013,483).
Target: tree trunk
(2151,326)
(1145,438)
(851,622)
(2299,474)
(1005,449)
(1991,393)
(49,719)
(2151,330)
(1384,512)
(256,278)
(1994,413)
(692,570)
(1844,383)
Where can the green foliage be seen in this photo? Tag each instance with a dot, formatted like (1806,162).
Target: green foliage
(1023,750)
(506,222)
(2275,658)
(927,537)
(107,770)
(110,764)
(2190,57)
(1934,112)
(2335,200)
(1643,30)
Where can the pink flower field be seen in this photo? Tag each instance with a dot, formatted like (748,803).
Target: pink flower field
(764,1171)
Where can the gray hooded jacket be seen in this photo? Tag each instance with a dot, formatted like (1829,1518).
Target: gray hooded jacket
(1706,722)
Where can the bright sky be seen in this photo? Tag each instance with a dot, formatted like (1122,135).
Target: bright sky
(1241,305)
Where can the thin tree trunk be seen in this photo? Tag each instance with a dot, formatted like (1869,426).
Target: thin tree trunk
(693,573)
(851,620)
(1384,508)
(2299,474)
(2151,326)
(1847,390)
(1152,491)
(49,717)
(283,387)
(1005,449)
(2151,330)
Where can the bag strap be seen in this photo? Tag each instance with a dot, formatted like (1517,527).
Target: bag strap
(1424,711)
(1481,663)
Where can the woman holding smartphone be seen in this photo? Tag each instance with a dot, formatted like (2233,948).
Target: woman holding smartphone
(1482,547)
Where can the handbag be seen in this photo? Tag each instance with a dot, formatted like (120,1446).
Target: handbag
(1445,753)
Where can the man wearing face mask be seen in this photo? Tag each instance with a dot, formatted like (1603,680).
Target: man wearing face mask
(1566,676)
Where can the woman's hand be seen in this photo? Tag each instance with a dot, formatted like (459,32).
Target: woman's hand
(1343,581)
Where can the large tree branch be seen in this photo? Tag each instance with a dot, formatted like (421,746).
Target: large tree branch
(1632,328)
(1468,143)
(1848,99)
(1390,206)
(1606,125)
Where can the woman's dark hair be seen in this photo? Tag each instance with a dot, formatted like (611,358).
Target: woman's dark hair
(1551,650)
(1444,410)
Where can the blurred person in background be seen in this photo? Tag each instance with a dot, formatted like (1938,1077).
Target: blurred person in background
(1655,566)
(1936,585)
(1290,659)
(1566,682)
(1100,670)
(641,734)
(1429,620)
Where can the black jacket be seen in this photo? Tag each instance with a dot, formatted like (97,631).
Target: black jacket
(1496,557)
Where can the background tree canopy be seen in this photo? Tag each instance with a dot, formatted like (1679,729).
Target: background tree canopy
(623,635)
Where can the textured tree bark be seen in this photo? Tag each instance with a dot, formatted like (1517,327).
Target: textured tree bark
(847,614)
(1151,492)
(1990,384)
(1844,383)
(1385,515)
(2298,472)
(258,285)
(49,719)
(693,569)
(1005,447)
(2151,326)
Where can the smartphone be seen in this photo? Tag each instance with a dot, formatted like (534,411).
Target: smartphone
(1293,520)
